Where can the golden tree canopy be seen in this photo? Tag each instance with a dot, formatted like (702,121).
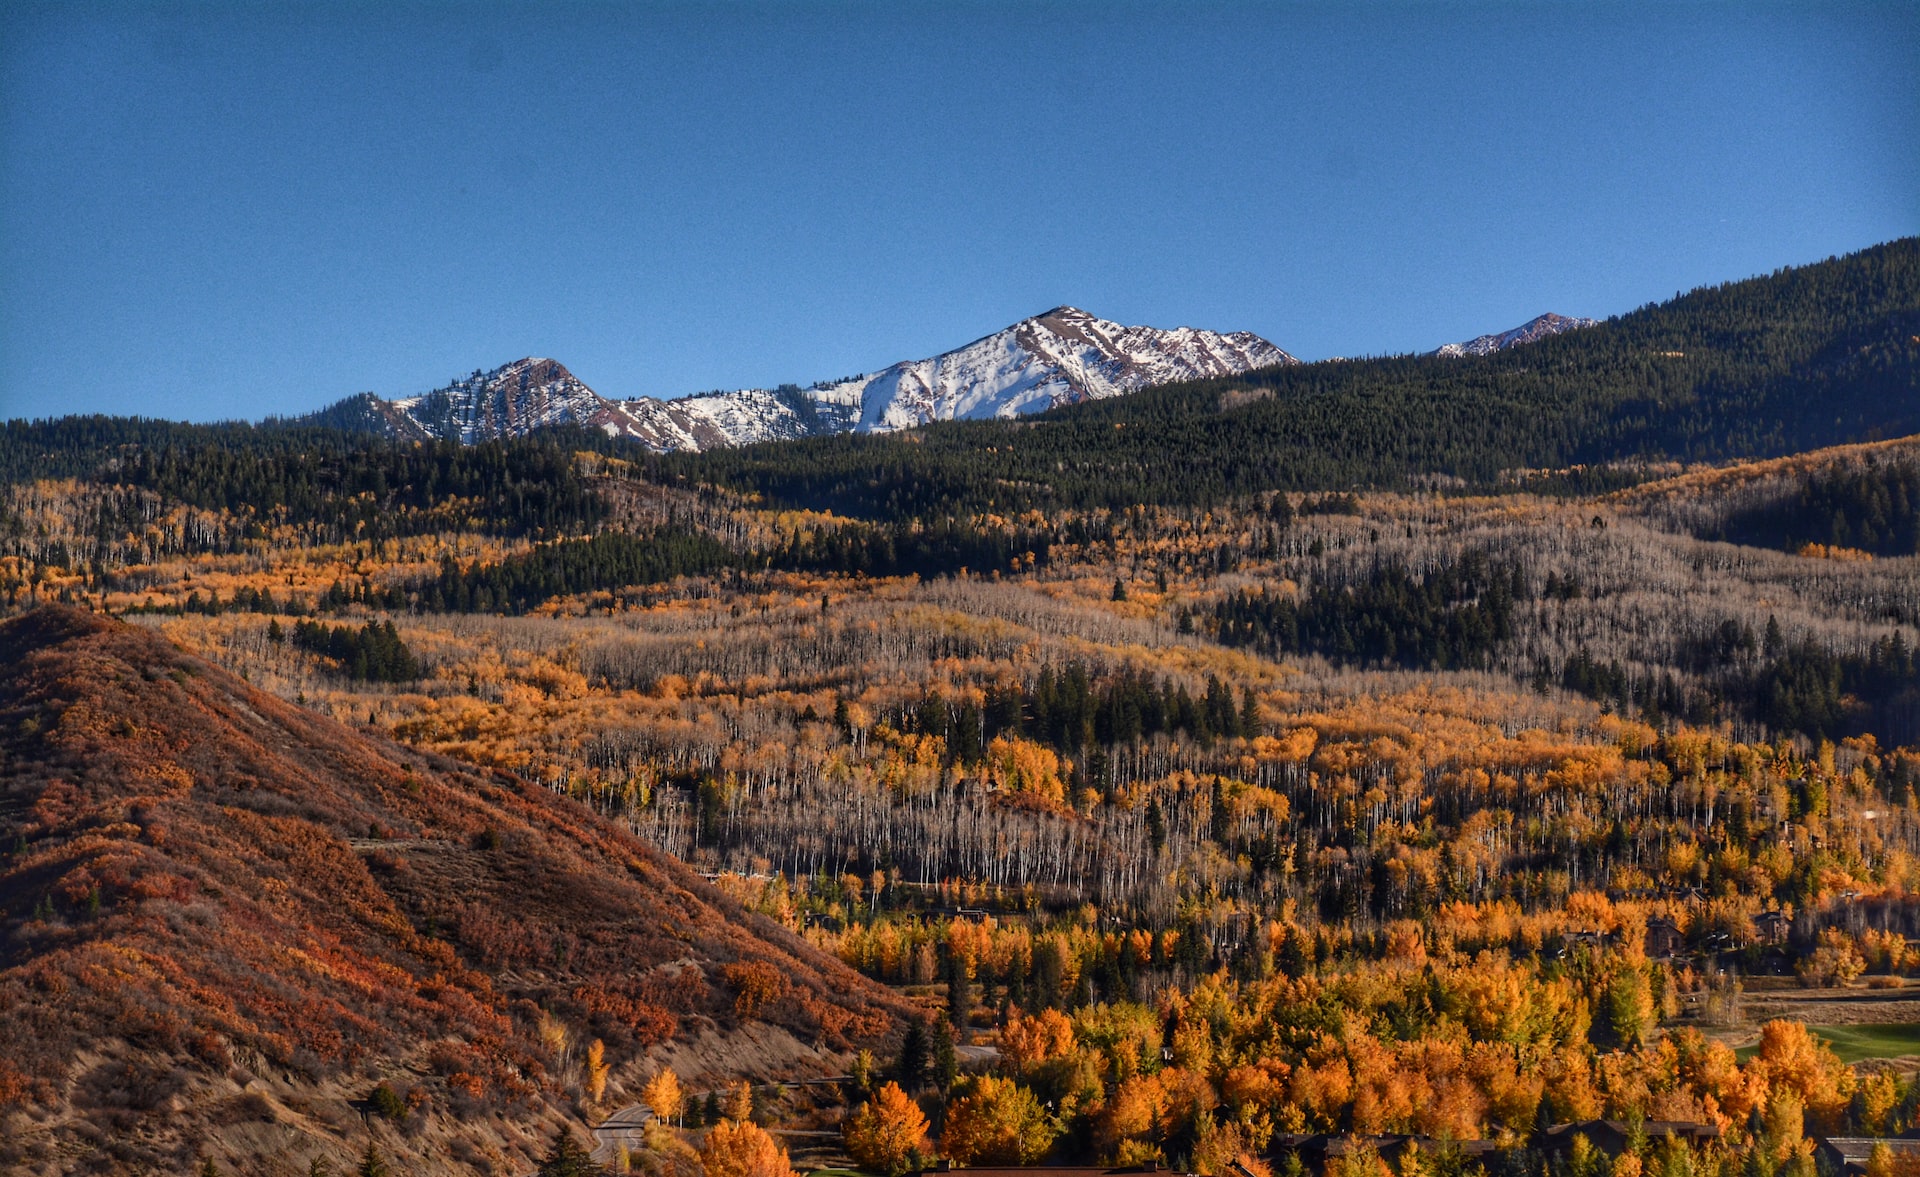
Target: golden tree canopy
(998,1122)
(739,1149)
(662,1094)
(883,1133)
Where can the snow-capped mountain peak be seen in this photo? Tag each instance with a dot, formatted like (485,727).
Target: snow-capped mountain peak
(1534,329)
(1062,356)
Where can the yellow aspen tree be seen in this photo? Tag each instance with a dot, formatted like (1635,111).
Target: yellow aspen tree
(663,1095)
(740,1101)
(743,1150)
(998,1122)
(596,1076)
(884,1132)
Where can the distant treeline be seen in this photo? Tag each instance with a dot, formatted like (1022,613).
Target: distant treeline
(333,486)
(1460,614)
(616,560)
(1874,507)
(1791,687)
(1456,615)
(374,652)
(1071,709)
(610,561)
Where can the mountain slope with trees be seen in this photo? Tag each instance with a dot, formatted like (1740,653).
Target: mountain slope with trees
(1805,357)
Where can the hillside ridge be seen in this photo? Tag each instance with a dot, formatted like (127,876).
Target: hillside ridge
(252,911)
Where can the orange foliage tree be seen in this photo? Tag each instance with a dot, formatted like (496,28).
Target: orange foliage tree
(997,1122)
(743,1149)
(884,1133)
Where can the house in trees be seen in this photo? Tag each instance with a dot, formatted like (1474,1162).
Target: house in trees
(1771,927)
(1847,1156)
(1151,1167)
(1591,939)
(1323,1152)
(1663,937)
(1613,1136)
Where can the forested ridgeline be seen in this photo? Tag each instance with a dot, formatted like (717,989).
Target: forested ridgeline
(610,563)
(328,486)
(1806,357)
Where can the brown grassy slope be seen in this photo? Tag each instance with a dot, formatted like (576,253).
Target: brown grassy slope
(240,887)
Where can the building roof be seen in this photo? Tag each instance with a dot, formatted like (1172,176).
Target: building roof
(1340,1144)
(1857,1149)
(1053,1170)
(1561,1134)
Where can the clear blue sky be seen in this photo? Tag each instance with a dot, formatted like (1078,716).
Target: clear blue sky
(214,211)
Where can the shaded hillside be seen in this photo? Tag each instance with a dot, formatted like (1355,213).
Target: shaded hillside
(1805,357)
(223,916)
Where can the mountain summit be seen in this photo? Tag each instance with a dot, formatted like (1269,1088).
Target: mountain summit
(1063,356)
(1528,332)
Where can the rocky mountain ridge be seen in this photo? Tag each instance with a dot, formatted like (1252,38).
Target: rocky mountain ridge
(1063,356)
(1533,330)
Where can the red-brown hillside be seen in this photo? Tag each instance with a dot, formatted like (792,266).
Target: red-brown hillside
(207,890)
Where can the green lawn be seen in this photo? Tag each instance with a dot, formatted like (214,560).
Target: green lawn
(1854,1043)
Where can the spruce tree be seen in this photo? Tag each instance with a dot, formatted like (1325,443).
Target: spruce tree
(910,1070)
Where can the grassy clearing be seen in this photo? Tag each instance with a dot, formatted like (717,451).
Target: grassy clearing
(1857,1042)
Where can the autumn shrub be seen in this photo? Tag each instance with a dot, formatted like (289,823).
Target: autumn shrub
(755,984)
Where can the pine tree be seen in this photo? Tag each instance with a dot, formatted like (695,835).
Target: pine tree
(372,1164)
(910,1069)
(959,990)
(946,1060)
(567,1157)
